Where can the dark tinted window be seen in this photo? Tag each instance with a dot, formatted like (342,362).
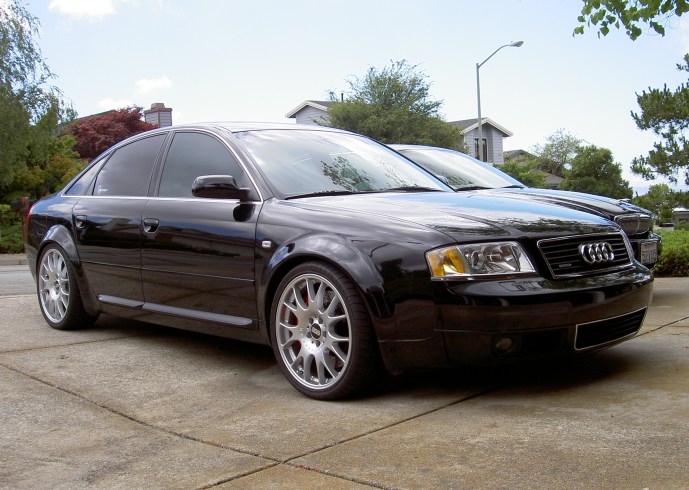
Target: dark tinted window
(128,171)
(83,186)
(192,155)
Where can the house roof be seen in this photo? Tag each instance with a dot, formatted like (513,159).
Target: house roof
(552,180)
(323,105)
(467,125)
(512,154)
(63,128)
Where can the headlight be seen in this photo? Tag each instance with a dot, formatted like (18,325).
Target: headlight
(478,259)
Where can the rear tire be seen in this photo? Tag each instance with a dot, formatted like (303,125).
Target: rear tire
(58,291)
(322,334)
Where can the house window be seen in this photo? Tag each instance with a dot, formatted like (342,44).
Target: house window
(484,157)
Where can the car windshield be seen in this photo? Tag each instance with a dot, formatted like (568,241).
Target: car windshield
(304,163)
(461,171)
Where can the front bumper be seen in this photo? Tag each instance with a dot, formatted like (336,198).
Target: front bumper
(485,322)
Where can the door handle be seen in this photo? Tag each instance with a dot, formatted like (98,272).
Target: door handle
(150,225)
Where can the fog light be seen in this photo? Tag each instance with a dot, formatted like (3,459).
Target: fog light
(504,344)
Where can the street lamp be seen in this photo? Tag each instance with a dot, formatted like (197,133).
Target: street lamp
(515,44)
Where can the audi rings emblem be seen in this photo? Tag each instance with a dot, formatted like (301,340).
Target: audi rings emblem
(596,253)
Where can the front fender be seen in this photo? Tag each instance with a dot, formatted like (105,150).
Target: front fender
(325,248)
(392,278)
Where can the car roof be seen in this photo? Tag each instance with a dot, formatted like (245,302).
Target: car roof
(400,146)
(240,126)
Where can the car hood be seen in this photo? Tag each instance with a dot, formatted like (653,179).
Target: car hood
(466,215)
(591,203)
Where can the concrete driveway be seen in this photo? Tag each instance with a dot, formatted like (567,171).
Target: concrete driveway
(129,405)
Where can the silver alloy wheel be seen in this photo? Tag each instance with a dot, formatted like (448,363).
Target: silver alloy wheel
(53,285)
(313,331)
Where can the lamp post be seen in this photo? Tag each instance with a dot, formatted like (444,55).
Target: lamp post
(515,44)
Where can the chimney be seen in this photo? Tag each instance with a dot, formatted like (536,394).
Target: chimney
(159,115)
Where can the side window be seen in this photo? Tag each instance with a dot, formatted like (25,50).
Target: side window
(128,171)
(192,155)
(83,186)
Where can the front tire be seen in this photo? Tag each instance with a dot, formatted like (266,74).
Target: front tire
(58,291)
(321,332)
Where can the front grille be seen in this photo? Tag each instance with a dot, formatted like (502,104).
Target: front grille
(565,259)
(609,330)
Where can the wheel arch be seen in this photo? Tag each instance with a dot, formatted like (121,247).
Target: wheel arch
(340,255)
(58,234)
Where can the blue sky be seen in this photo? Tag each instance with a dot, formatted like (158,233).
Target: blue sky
(257,60)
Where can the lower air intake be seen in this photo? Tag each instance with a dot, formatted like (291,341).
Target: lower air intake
(601,332)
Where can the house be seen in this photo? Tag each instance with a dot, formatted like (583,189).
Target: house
(316,112)
(492,135)
(680,216)
(552,181)
(159,115)
(310,112)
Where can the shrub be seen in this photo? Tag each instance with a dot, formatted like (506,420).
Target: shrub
(674,260)
(11,239)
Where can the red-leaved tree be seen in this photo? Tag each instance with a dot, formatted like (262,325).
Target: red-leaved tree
(96,134)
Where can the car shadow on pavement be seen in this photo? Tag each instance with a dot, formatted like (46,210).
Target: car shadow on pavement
(534,376)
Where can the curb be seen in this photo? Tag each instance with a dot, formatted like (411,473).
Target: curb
(13,259)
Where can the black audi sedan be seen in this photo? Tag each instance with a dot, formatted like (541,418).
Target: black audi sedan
(463,172)
(341,254)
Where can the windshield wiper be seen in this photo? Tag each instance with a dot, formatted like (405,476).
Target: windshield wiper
(339,192)
(411,188)
(513,186)
(472,188)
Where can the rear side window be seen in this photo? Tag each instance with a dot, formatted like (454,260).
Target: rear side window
(84,186)
(192,155)
(128,171)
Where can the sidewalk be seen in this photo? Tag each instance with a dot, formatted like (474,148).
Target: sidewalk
(13,259)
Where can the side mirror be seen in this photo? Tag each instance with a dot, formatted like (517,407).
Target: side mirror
(218,187)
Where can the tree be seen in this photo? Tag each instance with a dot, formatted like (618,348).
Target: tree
(661,200)
(629,14)
(594,171)
(557,154)
(393,105)
(526,170)
(22,72)
(30,109)
(96,134)
(666,113)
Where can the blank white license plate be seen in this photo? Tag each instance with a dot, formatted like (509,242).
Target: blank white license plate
(649,252)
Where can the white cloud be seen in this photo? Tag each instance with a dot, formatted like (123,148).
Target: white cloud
(146,86)
(109,103)
(83,9)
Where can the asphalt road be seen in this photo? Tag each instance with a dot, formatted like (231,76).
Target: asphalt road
(130,405)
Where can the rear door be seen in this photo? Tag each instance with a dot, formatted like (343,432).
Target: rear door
(108,225)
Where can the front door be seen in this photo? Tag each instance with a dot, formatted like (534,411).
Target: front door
(198,253)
